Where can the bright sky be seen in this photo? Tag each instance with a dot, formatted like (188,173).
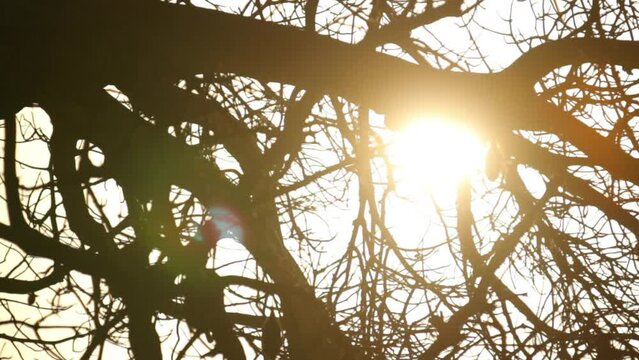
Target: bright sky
(434,155)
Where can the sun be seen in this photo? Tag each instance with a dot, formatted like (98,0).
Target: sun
(434,155)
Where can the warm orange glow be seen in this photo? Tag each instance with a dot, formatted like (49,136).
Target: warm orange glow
(434,155)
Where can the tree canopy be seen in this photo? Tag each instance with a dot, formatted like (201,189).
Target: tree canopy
(196,178)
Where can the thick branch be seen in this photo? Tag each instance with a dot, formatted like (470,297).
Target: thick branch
(541,60)
(25,286)
(197,41)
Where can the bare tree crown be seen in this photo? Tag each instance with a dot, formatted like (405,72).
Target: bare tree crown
(186,179)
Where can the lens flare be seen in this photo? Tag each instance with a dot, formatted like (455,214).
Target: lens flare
(223,223)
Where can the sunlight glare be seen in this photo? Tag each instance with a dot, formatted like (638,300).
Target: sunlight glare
(434,156)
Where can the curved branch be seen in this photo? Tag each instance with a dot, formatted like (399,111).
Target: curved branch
(25,286)
(541,60)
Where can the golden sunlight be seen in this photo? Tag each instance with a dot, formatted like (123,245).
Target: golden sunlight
(433,155)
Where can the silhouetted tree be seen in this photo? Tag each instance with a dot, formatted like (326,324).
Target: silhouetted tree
(148,143)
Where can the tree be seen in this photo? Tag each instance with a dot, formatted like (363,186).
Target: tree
(139,136)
